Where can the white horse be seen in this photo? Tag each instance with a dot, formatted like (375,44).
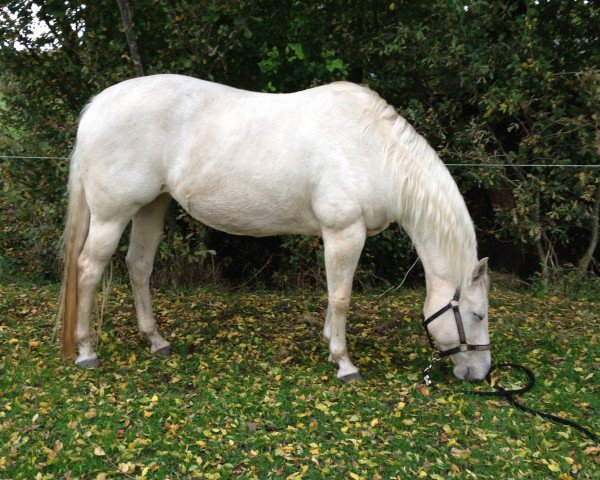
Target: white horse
(335,161)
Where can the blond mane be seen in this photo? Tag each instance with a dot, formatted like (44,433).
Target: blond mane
(429,204)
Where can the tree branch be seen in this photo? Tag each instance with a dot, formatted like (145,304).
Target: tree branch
(586,259)
(131,41)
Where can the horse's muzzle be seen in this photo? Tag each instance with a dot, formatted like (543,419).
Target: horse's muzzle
(471,373)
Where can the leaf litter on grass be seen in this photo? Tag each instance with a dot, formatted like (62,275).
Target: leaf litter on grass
(248,392)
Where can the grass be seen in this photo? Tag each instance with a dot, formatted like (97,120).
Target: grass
(248,392)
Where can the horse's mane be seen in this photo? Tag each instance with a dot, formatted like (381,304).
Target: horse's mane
(429,202)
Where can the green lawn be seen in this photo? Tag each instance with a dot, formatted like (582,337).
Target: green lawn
(248,392)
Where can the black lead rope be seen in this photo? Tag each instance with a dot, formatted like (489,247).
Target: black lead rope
(510,395)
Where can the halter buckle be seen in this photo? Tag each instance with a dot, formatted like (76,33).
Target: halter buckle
(463,347)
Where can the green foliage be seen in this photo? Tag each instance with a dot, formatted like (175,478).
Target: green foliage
(566,282)
(248,392)
(3,267)
(485,82)
(30,232)
(304,253)
(183,257)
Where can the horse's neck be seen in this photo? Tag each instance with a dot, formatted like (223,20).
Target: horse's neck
(439,269)
(435,216)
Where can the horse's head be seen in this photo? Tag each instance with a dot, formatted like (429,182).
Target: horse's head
(458,321)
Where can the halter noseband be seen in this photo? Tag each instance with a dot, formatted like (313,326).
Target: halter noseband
(463,346)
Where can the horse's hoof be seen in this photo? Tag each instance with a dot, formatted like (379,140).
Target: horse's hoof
(351,377)
(166,351)
(88,362)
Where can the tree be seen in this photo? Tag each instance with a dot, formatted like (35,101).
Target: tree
(493,83)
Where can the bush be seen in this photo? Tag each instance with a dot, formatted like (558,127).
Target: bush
(567,282)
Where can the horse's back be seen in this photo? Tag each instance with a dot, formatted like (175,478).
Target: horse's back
(171,102)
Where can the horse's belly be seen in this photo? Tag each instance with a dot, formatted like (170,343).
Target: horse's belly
(249,215)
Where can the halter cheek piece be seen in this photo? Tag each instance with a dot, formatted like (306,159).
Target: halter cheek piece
(463,346)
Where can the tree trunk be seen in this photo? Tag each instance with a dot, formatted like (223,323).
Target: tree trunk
(543,261)
(131,41)
(543,256)
(586,259)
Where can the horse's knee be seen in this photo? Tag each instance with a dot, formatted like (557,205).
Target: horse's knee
(340,304)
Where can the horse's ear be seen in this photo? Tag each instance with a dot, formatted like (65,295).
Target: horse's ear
(480,269)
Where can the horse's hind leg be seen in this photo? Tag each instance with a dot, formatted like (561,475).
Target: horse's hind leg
(146,230)
(102,240)
(342,252)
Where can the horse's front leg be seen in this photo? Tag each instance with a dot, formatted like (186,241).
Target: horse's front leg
(342,252)
(146,230)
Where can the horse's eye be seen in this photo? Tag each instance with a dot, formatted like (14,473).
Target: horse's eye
(478,316)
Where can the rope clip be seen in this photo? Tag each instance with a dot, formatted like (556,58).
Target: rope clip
(435,357)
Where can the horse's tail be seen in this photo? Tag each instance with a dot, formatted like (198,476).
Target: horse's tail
(74,237)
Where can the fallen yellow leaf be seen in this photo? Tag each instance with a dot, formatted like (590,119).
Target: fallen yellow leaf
(553,466)
(127,467)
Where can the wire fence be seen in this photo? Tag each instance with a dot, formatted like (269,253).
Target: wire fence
(476,165)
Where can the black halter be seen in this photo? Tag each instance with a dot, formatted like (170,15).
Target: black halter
(463,346)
